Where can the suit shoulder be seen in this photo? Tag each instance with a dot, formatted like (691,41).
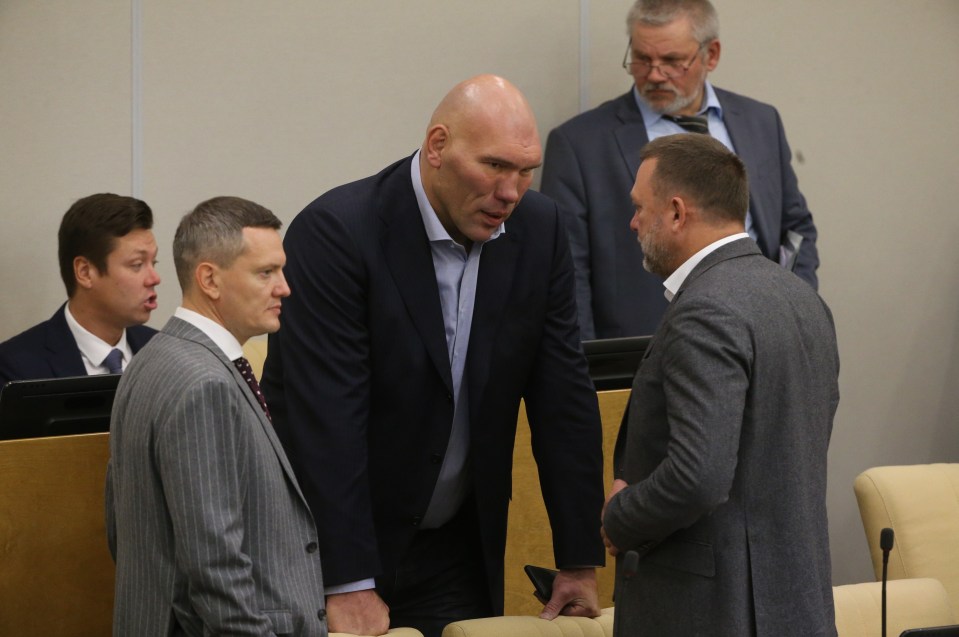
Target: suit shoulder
(357,198)
(601,117)
(734,100)
(29,338)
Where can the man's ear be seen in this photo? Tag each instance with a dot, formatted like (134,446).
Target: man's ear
(84,272)
(678,213)
(207,278)
(437,139)
(712,55)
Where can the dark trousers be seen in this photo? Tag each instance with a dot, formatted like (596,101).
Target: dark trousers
(441,577)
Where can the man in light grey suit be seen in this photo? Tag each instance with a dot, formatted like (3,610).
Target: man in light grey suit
(210,532)
(591,161)
(720,471)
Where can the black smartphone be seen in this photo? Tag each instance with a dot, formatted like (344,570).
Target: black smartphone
(542,579)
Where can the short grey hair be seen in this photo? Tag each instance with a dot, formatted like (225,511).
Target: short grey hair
(702,15)
(213,231)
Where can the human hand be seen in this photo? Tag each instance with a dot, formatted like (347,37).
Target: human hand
(359,612)
(574,593)
(618,485)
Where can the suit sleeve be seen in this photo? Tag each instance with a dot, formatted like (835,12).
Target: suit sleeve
(566,432)
(327,375)
(199,453)
(796,216)
(563,182)
(705,372)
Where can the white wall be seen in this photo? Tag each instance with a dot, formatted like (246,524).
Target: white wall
(279,101)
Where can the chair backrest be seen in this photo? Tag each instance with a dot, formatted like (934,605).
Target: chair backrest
(910,603)
(254,350)
(921,504)
(526,626)
(56,574)
(528,538)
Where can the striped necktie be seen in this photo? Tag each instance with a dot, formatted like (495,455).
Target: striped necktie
(691,123)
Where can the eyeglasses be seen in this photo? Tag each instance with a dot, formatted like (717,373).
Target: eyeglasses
(669,69)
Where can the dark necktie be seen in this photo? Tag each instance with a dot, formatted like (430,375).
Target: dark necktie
(246,371)
(691,123)
(114,361)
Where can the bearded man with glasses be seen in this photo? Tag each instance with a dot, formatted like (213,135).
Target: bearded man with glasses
(591,162)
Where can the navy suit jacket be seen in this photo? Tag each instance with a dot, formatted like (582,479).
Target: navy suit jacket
(359,384)
(590,167)
(48,350)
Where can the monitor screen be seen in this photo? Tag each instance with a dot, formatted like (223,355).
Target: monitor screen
(613,361)
(57,406)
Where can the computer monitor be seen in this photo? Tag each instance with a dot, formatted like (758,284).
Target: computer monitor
(57,406)
(613,361)
(936,631)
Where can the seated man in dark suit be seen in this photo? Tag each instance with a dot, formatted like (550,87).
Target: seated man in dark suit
(107,255)
(591,162)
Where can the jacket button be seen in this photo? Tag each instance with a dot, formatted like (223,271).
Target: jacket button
(436,458)
(321,614)
(416,520)
(311,547)
(449,397)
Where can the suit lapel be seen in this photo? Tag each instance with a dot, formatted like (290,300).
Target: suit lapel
(410,261)
(743,139)
(65,358)
(181,329)
(496,273)
(631,136)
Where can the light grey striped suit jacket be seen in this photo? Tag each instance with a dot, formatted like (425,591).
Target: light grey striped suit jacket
(208,527)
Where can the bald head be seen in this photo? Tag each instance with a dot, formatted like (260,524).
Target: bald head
(485,100)
(478,157)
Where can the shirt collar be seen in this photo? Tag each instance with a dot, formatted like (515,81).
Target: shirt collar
(220,336)
(93,348)
(434,228)
(650,117)
(675,280)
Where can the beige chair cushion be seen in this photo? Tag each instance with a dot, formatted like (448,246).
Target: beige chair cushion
(526,626)
(921,504)
(910,603)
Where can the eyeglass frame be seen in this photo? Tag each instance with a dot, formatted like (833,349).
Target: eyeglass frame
(685,67)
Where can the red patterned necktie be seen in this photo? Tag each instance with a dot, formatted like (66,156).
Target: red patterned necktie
(246,371)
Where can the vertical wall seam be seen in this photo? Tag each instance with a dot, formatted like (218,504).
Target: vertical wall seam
(136,98)
(583,55)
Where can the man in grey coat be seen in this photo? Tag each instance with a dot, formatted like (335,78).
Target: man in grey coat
(210,532)
(720,487)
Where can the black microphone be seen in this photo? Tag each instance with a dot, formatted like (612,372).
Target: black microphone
(886,539)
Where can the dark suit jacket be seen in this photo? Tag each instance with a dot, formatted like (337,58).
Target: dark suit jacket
(48,350)
(590,167)
(210,532)
(725,454)
(358,378)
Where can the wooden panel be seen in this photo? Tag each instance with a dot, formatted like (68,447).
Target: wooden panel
(56,574)
(529,540)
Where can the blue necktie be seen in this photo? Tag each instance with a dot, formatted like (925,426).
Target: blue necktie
(114,361)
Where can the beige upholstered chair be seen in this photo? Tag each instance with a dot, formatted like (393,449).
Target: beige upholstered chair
(921,504)
(527,626)
(254,350)
(910,603)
